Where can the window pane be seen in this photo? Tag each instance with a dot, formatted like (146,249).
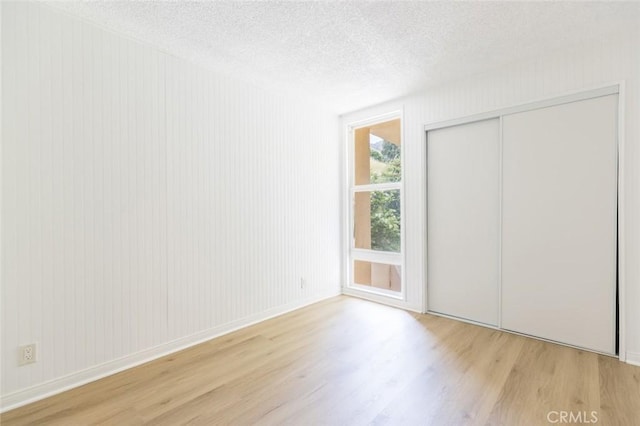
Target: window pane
(378,275)
(377,220)
(377,153)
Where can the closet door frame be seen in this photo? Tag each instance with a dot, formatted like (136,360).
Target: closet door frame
(573,96)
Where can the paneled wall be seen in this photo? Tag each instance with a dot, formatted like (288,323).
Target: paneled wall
(148,203)
(582,67)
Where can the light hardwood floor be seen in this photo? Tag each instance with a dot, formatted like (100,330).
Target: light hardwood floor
(346,361)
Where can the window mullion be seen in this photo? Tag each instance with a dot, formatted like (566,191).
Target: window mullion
(377,187)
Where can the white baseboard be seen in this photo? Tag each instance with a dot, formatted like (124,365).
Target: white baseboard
(44,390)
(633,358)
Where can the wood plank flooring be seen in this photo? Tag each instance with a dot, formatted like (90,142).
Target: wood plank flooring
(347,361)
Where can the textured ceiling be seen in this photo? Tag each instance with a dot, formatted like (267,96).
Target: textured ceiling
(348,55)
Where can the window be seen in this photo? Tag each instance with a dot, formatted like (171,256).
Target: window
(376,234)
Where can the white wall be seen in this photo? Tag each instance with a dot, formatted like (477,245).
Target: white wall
(148,203)
(580,68)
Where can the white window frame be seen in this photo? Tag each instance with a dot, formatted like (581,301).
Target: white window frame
(373,256)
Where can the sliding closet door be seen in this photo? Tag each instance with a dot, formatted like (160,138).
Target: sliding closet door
(559,223)
(463,220)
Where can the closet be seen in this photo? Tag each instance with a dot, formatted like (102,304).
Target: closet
(522,219)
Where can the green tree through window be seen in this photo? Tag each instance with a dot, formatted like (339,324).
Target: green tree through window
(385,205)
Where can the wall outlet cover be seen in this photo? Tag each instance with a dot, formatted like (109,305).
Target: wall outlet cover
(27,354)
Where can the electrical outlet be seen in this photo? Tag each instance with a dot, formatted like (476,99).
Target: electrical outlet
(27,354)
